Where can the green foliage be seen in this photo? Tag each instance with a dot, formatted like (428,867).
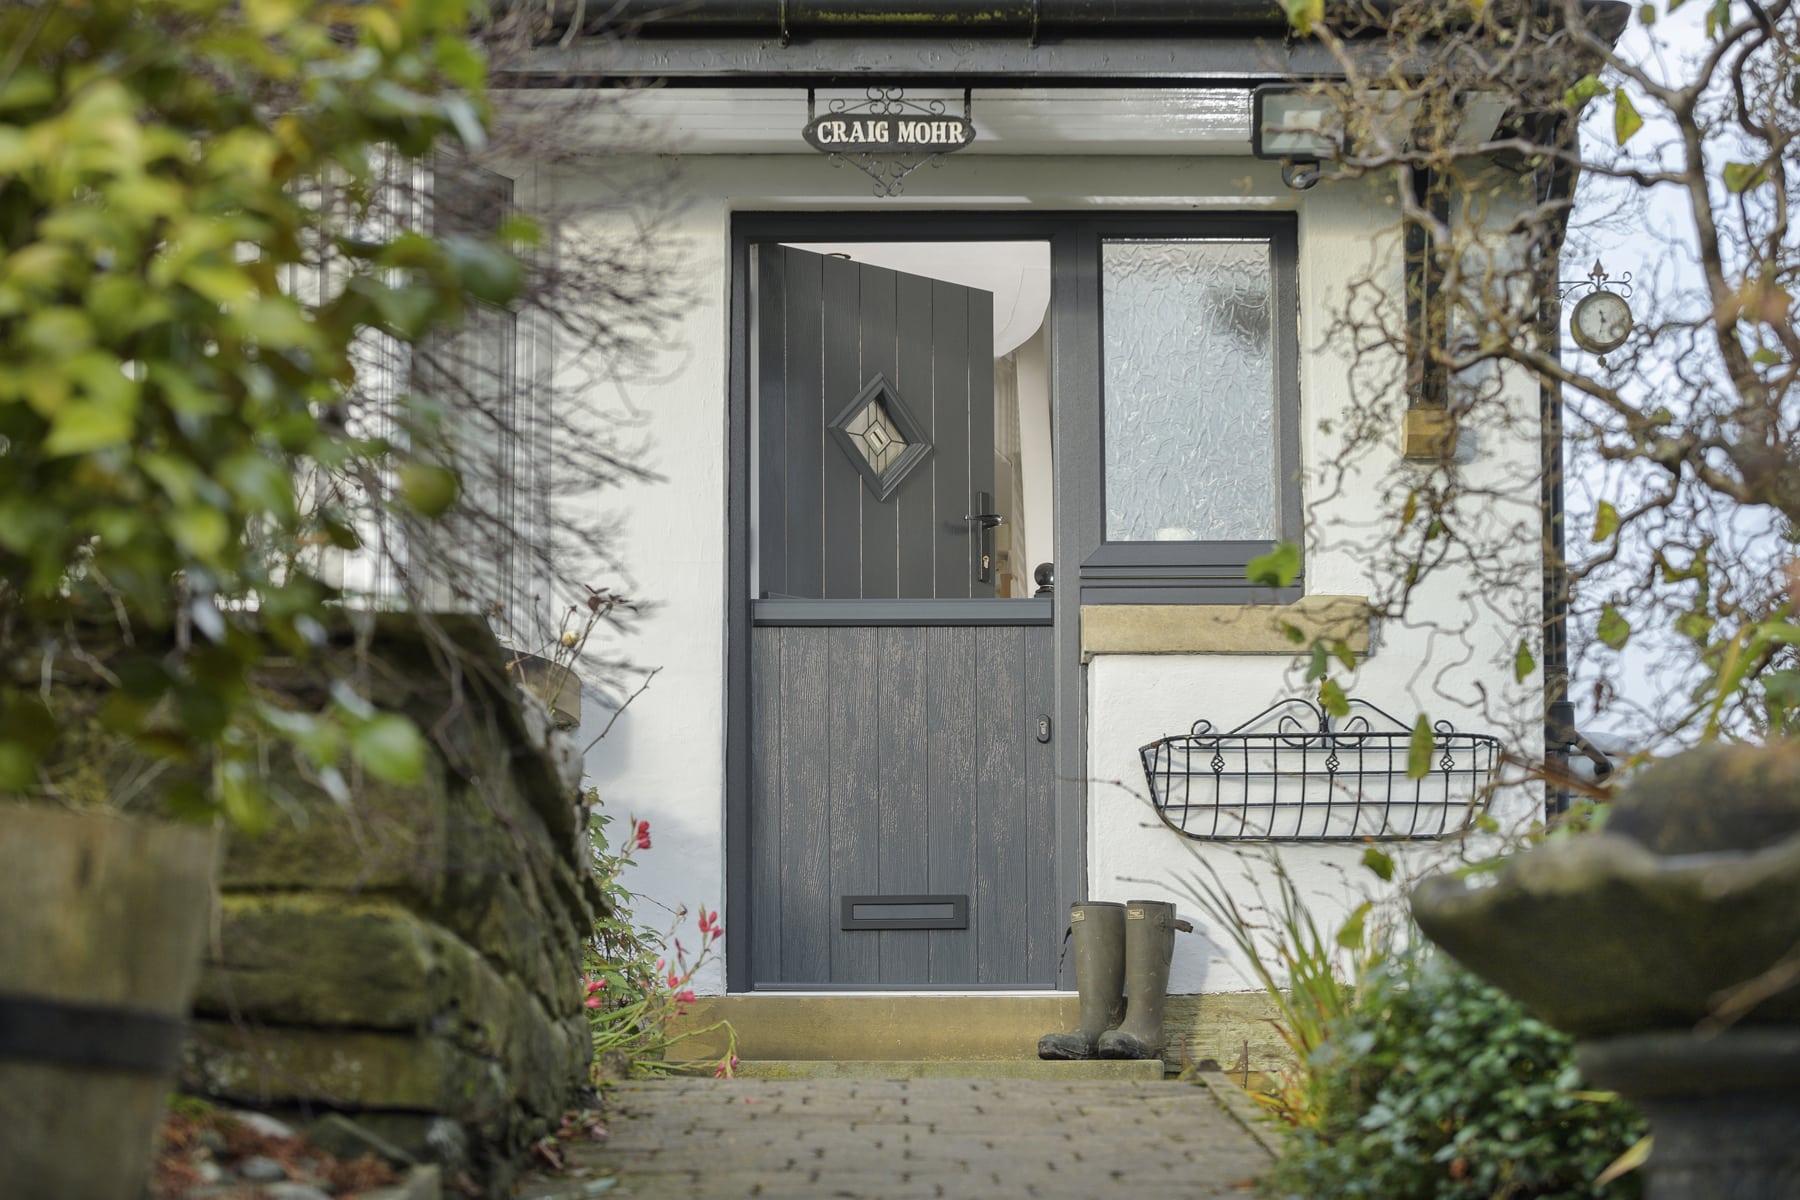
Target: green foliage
(166,166)
(1613,628)
(637,977)
(1277,568)
(1437,1086)
(1304,14)
(1606,521)
(1419,748)
(1741,177)
(1524,663)
(1626,120)
(1585,89)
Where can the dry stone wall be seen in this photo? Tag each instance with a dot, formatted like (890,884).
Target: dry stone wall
(412,958)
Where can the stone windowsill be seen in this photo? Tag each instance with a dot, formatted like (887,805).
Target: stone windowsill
(1222,628)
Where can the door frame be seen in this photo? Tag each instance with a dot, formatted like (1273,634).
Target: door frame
(1065,346)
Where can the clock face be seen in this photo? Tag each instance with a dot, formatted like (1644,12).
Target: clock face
(1601,322)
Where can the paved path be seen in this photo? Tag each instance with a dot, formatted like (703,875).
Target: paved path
(900,1139)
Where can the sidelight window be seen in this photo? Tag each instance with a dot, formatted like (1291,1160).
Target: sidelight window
(1199,420)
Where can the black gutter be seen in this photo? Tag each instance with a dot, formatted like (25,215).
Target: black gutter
(1030,20)
(962,18)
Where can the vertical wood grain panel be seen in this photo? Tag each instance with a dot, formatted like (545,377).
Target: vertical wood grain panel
(950,758)
(805,816)
(804,427)
(771,440)
(950,396)
(1000,784)
(842,484)
(855,813)
(1044,912)
(766,843)
(916,498)
(903,750)
(875,336)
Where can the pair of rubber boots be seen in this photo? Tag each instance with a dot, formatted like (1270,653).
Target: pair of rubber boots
(1118,947)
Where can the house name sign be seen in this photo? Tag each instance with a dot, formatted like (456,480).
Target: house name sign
(887,135)
(888,132)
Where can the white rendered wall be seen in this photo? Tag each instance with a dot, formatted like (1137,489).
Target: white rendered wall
(664,759)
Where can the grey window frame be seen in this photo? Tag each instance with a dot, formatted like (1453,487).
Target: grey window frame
(1198,572)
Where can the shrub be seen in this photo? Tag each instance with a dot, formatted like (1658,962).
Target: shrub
(1438,1085)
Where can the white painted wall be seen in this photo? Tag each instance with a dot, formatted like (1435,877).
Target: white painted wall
(664,760)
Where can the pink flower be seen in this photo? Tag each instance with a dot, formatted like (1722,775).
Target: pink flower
(685,996)
(641,834)
(709,925)
(594,985)
(674,981)
(593,1002)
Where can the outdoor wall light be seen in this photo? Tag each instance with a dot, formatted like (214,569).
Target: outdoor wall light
(1297,126)
(1304,128)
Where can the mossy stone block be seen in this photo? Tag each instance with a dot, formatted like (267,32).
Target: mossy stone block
(344,1069)
(389,838)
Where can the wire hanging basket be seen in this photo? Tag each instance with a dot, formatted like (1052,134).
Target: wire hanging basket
(1291,773)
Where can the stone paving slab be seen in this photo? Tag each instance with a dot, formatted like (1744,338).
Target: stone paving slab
(934,1139)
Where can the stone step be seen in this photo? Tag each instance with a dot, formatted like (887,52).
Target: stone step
(1233,1029)
(1148,1070)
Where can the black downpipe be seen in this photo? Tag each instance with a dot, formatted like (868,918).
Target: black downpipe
(1556,180)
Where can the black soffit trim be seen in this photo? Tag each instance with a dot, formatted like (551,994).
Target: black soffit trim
(101,1037)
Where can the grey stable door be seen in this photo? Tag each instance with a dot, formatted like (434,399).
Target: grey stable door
(901,826)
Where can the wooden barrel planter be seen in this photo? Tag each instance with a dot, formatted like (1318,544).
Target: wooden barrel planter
(102,923)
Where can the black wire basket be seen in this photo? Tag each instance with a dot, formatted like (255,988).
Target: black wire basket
(1292,773)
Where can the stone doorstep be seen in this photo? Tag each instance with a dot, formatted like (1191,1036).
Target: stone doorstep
(1233,1030)
(1143,1070)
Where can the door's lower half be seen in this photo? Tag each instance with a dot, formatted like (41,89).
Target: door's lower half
(902,816)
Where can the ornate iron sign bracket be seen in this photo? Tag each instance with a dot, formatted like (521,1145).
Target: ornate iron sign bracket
(887,136)
(1597,280)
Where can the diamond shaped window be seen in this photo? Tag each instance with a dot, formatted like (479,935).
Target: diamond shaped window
(880,437)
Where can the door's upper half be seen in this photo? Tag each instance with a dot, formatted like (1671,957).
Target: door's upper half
(876,454)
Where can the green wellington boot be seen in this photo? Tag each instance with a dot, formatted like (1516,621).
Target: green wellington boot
(1098,930)
(1149,945)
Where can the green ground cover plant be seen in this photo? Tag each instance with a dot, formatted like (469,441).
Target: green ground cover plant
(1437,1085)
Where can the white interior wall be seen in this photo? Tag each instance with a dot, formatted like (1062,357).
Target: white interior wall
(664,759)
(1039,464)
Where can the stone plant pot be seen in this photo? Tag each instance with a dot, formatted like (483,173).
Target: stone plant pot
(102,923)
(556,685)
(1663,943)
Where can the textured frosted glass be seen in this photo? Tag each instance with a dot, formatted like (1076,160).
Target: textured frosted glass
(1190,391)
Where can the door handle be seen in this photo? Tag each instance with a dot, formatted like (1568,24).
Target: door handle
(986,520)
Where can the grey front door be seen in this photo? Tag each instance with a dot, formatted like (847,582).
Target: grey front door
(902,823)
